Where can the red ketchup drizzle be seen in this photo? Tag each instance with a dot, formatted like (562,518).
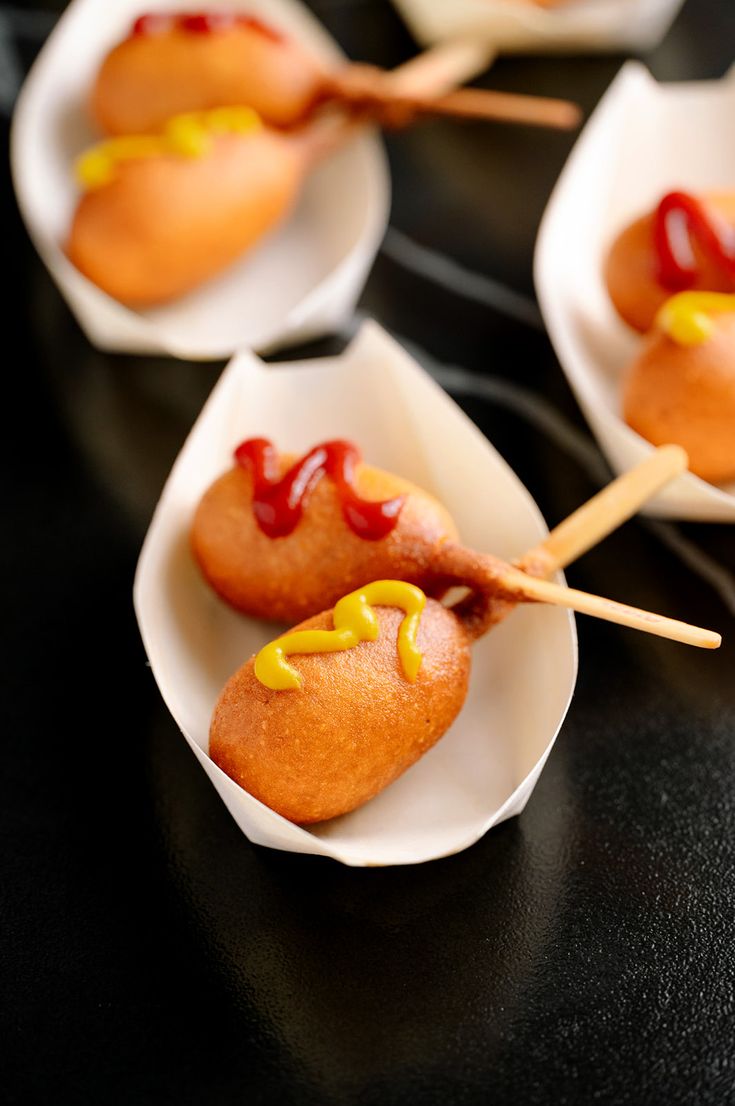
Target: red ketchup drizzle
(279,501)
(679,218)
(152,23)
(200,23)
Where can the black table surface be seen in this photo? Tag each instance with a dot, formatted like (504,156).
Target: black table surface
(582,952)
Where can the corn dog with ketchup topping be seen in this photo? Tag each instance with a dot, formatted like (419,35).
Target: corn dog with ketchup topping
(174,63)
(280,537)
(686,243)
(283,538)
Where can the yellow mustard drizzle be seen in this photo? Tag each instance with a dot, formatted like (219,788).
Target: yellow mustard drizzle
(189,135)
(354,621)
(686,317)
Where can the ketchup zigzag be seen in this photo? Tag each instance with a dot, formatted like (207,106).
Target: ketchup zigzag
(279,501)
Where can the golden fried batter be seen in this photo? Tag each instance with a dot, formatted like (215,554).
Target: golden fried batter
(354,725)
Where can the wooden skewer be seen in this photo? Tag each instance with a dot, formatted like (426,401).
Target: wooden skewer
(543,591)
(479,103)
(426,85)
(429,74)
(417,86)
(441,68)
(607,510)
(584,528)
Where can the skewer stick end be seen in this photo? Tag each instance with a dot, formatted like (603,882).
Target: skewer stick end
(677,456)
(569,115)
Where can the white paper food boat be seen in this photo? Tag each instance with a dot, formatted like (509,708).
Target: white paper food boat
(515,26)
(302,281)
(643,140)
(523,673)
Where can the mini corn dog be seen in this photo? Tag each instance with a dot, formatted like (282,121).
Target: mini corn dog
(326,716)
(277,538)
(355,722)
(162,214)
(175,63)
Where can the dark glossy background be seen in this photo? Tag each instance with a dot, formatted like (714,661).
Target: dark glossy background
(582,953)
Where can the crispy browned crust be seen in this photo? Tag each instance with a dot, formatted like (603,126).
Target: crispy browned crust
(686,395)
(630,269)
(352,728)
(290,578)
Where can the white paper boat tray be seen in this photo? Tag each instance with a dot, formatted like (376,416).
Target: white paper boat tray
(644,139)
(515,26)
(523,673)
(301,282)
